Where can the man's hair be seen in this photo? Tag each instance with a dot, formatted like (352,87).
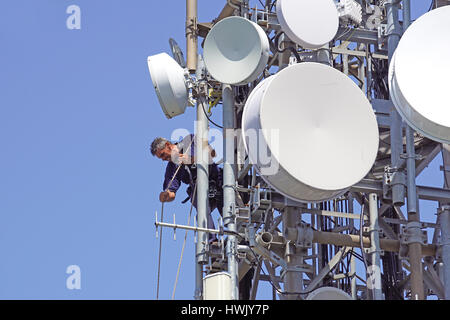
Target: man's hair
(158,144)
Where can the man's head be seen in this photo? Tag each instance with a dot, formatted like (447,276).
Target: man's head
(163,149)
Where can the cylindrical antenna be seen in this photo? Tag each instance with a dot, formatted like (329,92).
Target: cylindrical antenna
(191,35)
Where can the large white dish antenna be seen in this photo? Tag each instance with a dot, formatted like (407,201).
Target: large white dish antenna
(236,51)
(418,75)
(309,23)
(170,84)
(328,293)
(319,127)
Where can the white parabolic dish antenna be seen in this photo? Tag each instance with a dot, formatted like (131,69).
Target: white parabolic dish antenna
(319,127)
(418,75)
(236,51)
(309,23)
(328,293)
(170,84)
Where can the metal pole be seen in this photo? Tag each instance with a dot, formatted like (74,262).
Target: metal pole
(374,251)
(369,74)
(345,63)
(362,70)
(406,14)
(293,279)
(320,262)
(351,240)
(444,219)
(198,294)
(191,35)
(393,38)
(180,226)
(201,161)
(415,249)
(446,165)
(228,9)
(229,186)
(323,55)
(352,258)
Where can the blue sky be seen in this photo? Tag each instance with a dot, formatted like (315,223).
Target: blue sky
(78,184)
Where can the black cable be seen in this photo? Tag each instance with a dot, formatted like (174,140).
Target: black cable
(293,293)
(356,255)
(386,143)
(361,224)
(286,292)
(292,49)
(273,4)
(273,285)
(209,119)
(379,75)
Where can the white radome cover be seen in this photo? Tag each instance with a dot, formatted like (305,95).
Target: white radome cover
(170,84)
(236,51)
(328,293)
(327,131)
(309,23)
(418,75)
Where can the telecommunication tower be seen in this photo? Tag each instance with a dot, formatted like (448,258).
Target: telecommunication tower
(331,109)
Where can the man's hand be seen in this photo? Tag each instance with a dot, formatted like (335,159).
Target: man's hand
(166,196)
(185,159)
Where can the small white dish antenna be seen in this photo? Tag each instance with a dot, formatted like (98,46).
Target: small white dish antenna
(418,75)
(177,54)
(236,51)
(328,293)
(309,23)
(170,82)
(319,128)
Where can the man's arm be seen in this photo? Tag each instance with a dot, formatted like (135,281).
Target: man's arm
(171,183)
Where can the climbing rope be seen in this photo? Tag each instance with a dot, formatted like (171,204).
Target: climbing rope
(184,245)
(162,219)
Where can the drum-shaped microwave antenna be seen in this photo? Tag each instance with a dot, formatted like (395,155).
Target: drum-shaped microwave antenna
(309,23)
(169,80)
(418,75)
(318,128)
(236,51)
(328,293)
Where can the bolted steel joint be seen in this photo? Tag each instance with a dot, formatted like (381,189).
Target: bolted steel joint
(413,233)
(371,251)
(304,236)
(394,178)
(301,236)
(296,268)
